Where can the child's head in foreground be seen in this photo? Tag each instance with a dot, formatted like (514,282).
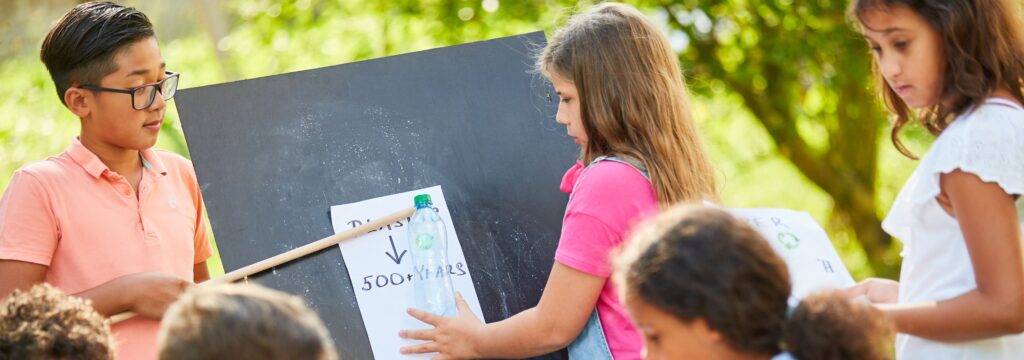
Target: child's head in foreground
(242,322)
(701,284)
(44,323)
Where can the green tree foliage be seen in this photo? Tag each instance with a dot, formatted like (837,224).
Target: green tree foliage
(804,74)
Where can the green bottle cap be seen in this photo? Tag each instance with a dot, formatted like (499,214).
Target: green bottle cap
(422,201)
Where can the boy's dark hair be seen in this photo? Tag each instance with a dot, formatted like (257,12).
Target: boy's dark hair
(44,323)
(983,50)
(701,263)
(80,48)
(242,321)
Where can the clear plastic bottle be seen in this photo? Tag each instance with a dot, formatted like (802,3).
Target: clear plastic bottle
(428,243)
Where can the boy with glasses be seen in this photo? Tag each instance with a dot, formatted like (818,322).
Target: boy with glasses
(109,219)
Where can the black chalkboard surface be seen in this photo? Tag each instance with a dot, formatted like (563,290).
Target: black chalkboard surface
(273,154)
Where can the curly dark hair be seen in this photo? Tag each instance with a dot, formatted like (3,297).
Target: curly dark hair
(822,318)
(44,323)
(701,263)
(983,49)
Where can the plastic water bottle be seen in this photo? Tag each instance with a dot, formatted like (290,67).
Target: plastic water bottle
(428,243)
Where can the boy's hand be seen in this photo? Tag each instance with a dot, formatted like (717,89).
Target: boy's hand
(152,292)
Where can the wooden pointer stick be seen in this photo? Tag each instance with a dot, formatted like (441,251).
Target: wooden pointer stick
(293,254)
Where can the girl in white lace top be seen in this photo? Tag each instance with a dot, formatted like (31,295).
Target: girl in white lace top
(956,66)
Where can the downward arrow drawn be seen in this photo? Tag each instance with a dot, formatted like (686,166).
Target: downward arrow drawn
(397,259)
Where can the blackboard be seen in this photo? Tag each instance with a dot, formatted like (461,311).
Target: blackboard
(273,154)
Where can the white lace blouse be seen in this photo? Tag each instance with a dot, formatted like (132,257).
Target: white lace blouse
(989,143)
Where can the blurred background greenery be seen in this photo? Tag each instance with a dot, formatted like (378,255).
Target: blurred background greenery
(782,88)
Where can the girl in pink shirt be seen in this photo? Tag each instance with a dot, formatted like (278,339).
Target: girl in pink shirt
(624,102)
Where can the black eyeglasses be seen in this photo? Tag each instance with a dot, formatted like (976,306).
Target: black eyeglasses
(143,96)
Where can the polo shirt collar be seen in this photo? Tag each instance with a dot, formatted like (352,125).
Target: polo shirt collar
(152,162)
(95,167)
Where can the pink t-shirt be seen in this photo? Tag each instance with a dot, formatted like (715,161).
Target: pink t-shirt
(84,222)
(605,201)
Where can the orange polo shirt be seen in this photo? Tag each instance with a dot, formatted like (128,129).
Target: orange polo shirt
(82,220)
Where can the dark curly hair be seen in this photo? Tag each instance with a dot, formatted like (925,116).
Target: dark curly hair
(702,263)
(44,323)
(983,50)
(814,328)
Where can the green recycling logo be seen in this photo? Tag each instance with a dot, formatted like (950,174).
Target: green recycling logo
(788,240)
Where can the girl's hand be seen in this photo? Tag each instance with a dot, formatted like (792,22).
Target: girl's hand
(876,290)
(451,338)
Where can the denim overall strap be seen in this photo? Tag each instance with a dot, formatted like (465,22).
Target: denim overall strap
(636,165)
(591,343)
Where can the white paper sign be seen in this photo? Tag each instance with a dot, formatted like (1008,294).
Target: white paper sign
(381,269)
(813,262)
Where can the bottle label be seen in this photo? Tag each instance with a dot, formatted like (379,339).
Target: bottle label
(424,241)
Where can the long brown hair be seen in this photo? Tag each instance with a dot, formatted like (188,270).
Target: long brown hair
(701,263)
(983,50)
(634,103)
